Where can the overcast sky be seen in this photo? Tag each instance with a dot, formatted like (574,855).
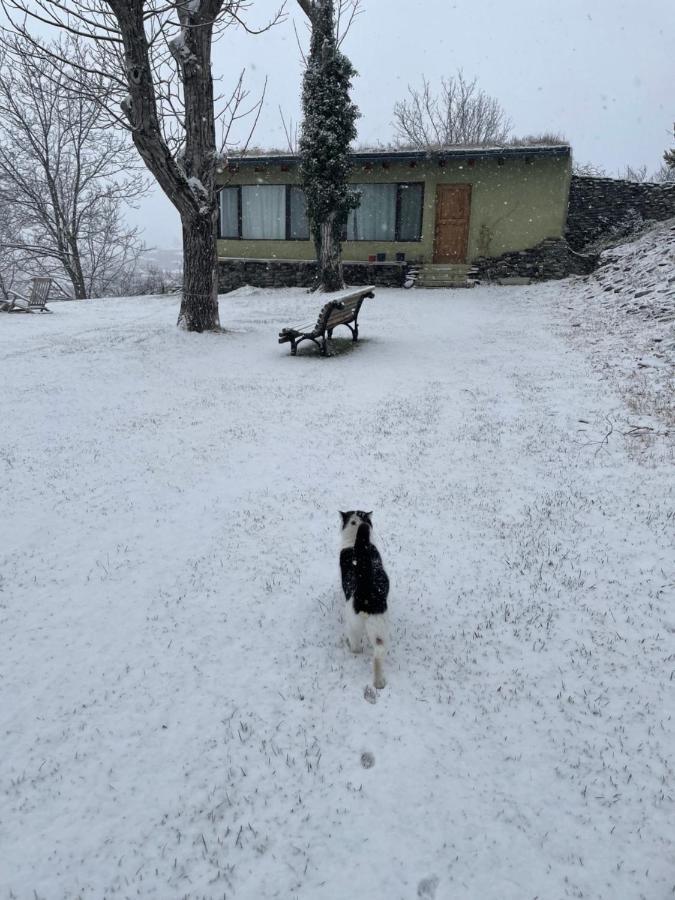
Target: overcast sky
(601,72)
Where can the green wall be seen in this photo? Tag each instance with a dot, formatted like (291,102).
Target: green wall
(513,206)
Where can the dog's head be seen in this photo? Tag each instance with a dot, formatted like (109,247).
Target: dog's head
(351,521)
(356,517)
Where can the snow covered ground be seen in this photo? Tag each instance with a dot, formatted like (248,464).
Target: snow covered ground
(626,311)
(179,715)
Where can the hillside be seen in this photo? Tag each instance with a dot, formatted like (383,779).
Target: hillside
(625,313)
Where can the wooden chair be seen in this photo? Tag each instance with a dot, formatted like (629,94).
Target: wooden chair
(35,302)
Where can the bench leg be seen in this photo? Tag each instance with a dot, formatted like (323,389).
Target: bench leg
(322,344)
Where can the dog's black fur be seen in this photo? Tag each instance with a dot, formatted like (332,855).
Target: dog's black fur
(363,574)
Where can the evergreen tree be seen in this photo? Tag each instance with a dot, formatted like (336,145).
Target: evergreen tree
(328,128)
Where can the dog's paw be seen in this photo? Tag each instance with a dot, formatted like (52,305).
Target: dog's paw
(380,682)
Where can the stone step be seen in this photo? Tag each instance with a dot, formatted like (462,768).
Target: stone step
(440,277)
(444,284)
(445,269)
(443,275)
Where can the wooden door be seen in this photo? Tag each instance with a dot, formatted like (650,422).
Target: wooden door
(453,210)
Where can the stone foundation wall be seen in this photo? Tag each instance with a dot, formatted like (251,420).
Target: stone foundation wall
(549,259)
(609,207)
(235,273)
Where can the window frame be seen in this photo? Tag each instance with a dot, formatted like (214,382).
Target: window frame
(287,214)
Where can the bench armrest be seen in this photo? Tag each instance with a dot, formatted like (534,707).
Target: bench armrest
(18,296)
(324,315)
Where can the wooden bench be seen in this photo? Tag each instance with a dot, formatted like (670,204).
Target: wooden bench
(343,309)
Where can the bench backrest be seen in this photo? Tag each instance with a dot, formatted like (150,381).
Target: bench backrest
(345,309)
(39,292)
(345,312)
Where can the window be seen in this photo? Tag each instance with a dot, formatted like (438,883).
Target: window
(298,226)
(229,213)
(263,211)
(387,212)
(410,212)
(278,212)
(374,219)
(273,212)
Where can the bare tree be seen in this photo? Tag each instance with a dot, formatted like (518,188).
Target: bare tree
(638,174)
(669,155)
(460,113)
(290,132)
(665,174)
(65,175)
(328,129)
(154,57)
(11,261)
(589,170)
(151,279)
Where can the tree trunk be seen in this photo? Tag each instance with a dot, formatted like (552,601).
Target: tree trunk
(199,305)
(76,278)
(74,269)
(188,180)
(328,257)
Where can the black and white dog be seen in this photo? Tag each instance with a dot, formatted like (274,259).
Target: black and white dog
(366,587)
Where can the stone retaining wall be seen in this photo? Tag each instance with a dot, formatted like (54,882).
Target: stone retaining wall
(609,207)
(235,273)
(549,259)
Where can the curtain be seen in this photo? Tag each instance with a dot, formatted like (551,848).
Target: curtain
(263,211)
(375,217)
(229,212)
(299,223)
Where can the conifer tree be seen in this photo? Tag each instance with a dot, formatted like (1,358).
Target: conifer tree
(669,155)
(328,128)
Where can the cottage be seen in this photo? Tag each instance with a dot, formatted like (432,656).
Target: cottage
(438,211)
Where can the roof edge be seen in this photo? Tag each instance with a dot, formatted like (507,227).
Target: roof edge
(562,150)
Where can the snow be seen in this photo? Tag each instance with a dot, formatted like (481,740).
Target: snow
(196,186)
(180,716)
(179,48)
(177,44)
(629,303)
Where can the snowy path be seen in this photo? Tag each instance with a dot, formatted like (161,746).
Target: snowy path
(179,715)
